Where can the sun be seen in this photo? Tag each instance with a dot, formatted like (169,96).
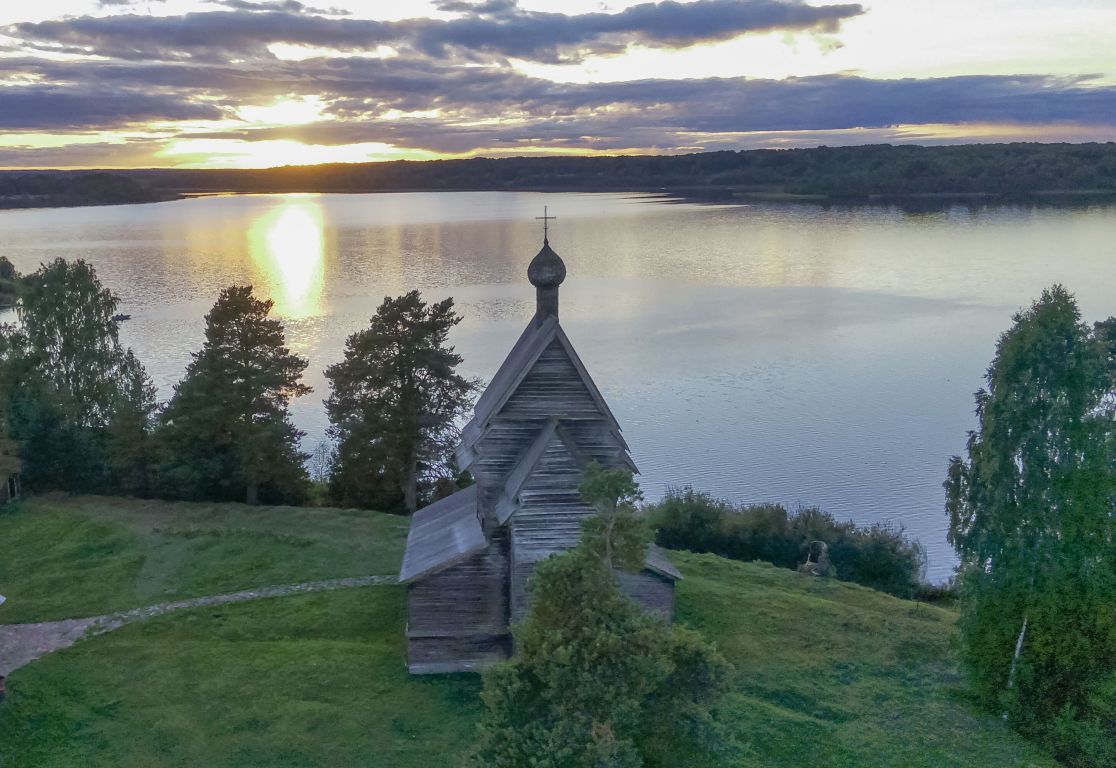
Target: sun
(287,111)
(274,153)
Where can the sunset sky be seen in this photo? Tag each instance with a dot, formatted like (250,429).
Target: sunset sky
(246,83)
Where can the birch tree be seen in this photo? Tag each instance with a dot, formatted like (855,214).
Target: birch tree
(1032,518)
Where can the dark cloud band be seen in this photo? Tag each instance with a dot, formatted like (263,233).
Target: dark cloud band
(53,109)
(506,32)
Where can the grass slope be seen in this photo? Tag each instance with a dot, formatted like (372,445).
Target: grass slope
(313,680)
(826,673)
(83,556)
(835,674)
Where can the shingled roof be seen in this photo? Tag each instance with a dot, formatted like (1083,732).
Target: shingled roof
(442,534)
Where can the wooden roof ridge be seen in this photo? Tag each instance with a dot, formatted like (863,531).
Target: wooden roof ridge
(523,356)
(443,534)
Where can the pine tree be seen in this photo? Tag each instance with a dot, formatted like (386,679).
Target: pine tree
(393,405)
(226,433)
(130,446)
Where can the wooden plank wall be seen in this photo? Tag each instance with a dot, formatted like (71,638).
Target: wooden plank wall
(459,618)
(654,592)
(461,614)
(552,388)
(548,519)
(442,655)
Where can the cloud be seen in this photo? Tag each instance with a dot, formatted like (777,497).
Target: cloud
(494,29)
(121,3)
(124,154)
(484,8)
(368,100)
(451,77)
(53,108)
(284,6)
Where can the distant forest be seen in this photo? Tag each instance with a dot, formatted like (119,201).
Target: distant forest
(56,189)
(1005,171)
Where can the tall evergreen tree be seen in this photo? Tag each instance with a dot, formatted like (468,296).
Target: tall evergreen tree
(1033,519)
(130,445)
(393,404)
(226,433)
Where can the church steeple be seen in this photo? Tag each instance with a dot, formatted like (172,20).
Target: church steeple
(546,272)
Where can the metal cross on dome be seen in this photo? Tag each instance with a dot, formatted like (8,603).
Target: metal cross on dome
(546,223)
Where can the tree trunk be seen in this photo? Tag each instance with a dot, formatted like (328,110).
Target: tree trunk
(1018,651)
(252,496)
(410,487)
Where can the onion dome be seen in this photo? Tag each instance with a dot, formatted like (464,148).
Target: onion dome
(547,270)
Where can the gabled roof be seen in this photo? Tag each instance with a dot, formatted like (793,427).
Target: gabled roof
(523,356)
(443,534)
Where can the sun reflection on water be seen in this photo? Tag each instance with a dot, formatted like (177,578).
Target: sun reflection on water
(287,244)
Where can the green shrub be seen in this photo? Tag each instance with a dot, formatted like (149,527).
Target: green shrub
(876,556)
(597,682)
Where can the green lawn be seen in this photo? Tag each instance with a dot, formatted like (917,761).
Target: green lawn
(312,680)
(826,674)
(834,674)
(83,556)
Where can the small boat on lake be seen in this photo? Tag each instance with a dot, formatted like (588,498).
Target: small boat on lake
(120,318)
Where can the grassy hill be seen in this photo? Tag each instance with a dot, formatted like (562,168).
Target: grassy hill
(84,556)
(826,673)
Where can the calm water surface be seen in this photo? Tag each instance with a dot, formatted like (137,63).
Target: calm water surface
(762,352)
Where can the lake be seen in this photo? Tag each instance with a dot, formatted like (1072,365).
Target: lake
(768,352)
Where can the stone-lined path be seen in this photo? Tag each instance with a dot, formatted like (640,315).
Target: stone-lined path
(20,644)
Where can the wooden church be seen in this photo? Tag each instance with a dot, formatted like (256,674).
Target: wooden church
(468,557)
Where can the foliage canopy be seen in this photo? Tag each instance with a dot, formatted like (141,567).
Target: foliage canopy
(226,433)
(393,405)
(69,382)
(1033,519)
(876,556)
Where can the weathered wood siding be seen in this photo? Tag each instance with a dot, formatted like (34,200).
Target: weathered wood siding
(553,387)
(460,615)
(534,429)
(442,655)
(654,592)
(547,519)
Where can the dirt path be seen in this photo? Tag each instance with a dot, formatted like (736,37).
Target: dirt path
(20,644)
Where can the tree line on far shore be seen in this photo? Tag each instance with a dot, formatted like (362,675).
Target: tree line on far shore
(1012,171)
(840,173)
(83,411)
